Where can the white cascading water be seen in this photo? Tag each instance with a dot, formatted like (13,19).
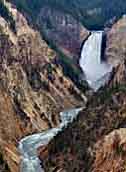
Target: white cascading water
(96,75)
(29,145)
(96,71)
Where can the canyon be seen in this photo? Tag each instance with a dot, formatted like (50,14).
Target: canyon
(97,134)
(62,105)
(33,87)
(29,145)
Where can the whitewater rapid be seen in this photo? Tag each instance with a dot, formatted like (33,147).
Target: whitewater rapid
(96,71)
(29,145)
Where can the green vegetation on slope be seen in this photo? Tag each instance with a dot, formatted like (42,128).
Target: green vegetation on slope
(93,14)
(69,68)
(74,152)
(33,9)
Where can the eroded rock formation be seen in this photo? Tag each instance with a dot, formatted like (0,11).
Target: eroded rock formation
(33,88)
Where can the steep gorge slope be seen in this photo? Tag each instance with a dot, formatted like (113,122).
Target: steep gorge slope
(33,88)
(63,32)
(116,43)
(96,145)
(95,14)
(75,152)
(111,152)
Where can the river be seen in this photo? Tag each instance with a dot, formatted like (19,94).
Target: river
(96,73)
(28,145)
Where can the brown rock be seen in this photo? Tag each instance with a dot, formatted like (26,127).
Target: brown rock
(31,92)
(111,153)
(116,42)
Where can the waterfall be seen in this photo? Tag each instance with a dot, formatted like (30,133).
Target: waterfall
(96,74)
(96,71)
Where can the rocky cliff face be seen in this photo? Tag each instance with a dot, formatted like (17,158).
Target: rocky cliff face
(33,88)
(63,30)
(116,51)
(97,143)
(110,152)
(104,113)
(116,43)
